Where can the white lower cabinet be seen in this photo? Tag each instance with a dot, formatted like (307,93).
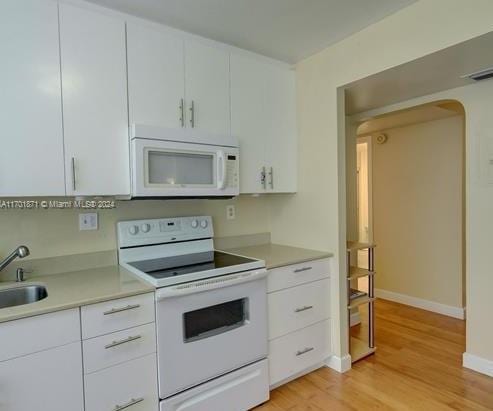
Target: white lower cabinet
(299,319)
(131,385)
(298,351)
(119,346)
(49,380)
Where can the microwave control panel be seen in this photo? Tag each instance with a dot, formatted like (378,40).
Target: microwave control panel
(232,170)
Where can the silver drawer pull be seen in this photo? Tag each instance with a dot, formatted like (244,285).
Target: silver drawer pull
(119,310)
(133,401)
(306,307)
(120,342)
(300,270)
(308,349)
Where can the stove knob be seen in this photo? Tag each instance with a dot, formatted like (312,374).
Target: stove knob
(133,229)
(203,223)
(145,228)
(195,223)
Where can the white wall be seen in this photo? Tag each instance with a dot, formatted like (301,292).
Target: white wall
(417,210)
(316,217)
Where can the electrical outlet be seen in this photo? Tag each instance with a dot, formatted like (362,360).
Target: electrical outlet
(88,221)
(230,212)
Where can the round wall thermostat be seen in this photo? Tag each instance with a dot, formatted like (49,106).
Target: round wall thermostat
(381,138)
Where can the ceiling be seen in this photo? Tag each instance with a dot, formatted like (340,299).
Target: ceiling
(415,115)
(430,74)
(288,30)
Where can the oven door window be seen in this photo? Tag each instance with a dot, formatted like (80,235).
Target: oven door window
(217,319)
(180,168)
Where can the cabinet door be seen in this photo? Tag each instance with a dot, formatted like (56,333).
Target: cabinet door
(281,131)
(156,77)
(31,158)
(94,102)
(207,87)
(248,120)
(47,380)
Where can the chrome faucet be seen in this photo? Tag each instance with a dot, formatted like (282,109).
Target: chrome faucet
(21,252)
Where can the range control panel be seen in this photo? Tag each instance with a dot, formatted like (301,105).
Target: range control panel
(163,230)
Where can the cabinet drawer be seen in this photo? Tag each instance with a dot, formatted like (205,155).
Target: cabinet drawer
(298,351)
(28,335)
(298,307)
(111,349)
(132,384)
(296,274)
(116,315)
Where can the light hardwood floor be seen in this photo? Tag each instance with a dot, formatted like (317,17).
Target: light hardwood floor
(417,366)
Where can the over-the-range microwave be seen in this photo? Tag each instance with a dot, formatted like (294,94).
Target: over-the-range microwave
(182,163)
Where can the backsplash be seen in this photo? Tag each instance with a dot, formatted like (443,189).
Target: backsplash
(55,232)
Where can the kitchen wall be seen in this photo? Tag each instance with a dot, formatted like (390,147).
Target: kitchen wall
(316,217)
(55,232)
(417,210)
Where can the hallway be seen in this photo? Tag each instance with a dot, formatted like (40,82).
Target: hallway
(417,366)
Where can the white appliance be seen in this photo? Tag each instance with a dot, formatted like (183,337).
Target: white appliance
(183,163)
(211,314)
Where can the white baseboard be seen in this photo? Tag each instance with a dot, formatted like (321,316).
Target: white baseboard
(478,364)
(448,310)
(339,364)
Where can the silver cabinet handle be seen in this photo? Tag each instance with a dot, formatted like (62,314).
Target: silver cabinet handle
(300,270)
(192,114)
(308,349)
(120,342)
(271,178)
(74,178)
(133,401)
(263,179)
(182,112)
(304,308)
(119,310)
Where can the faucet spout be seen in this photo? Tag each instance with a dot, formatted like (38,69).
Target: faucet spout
(20,252)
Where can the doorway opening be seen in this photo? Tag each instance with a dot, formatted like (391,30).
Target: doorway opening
(409,186)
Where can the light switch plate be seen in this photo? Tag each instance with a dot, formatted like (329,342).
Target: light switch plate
(230,212)
(88,221)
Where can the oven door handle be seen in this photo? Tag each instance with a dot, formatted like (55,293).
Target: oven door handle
(209,284)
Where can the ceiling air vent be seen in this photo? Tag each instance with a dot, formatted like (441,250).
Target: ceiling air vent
(480,75)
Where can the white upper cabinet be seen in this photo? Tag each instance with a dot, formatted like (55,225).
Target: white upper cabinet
(156,77)
(31,157)
(94,82)
(248,122)
(207,88)
(281,129)
(263,116)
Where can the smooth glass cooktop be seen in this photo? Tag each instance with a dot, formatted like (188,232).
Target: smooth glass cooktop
(167,267)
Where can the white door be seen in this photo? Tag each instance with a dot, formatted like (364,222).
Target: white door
(31,157)
(156,77)
(207,88)
(248,120)
(94,102)
(281,131)
(47,380)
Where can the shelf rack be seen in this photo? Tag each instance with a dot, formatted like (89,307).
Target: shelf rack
(358,348)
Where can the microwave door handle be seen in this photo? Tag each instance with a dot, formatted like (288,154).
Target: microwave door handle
(221,170)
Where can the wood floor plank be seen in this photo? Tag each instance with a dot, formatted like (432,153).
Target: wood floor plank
(417,366)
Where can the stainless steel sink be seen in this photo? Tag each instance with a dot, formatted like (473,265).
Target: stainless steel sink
(26,294)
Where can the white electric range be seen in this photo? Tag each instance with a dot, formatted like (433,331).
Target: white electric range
(211,314)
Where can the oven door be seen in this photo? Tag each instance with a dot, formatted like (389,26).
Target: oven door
(176,169)
(210,327)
